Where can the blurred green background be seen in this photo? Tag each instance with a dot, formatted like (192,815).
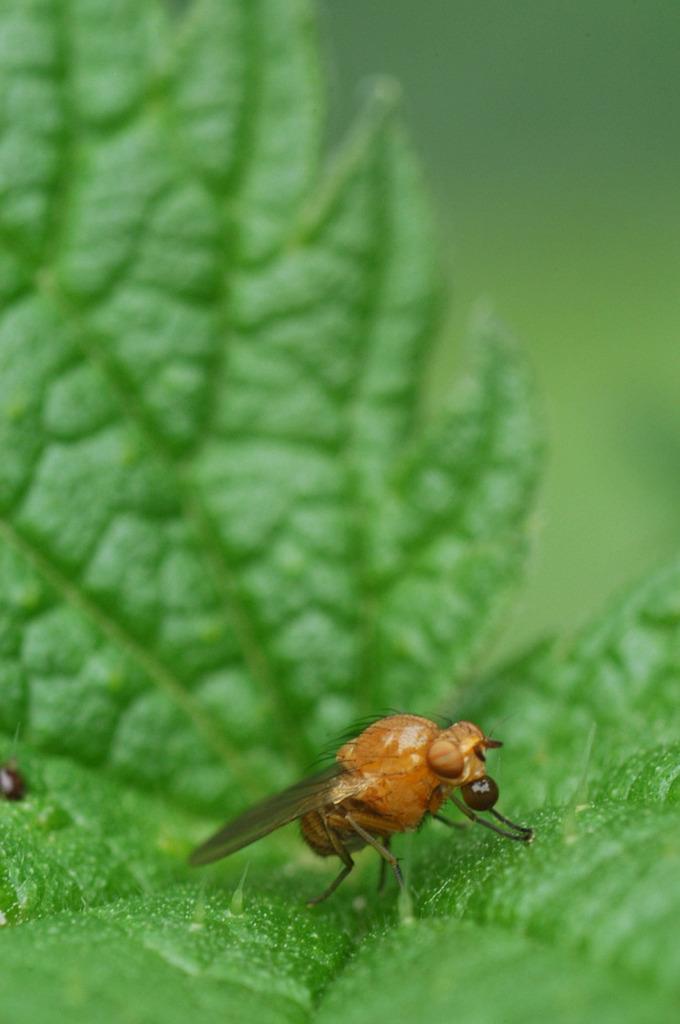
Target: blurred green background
(550,135)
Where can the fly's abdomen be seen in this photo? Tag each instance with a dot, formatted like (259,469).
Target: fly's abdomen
(315,834)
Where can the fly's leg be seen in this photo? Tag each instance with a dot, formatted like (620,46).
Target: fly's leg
(506,821)
(347,861)
(349,864)
(523,835)
(388,857)
(383,868)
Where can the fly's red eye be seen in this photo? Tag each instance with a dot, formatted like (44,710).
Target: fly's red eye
(480,795)
(445,759)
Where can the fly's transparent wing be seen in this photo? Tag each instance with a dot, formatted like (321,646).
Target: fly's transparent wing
(307,795)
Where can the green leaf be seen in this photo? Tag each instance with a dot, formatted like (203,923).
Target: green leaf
(78,840)
(228,526)
(200,444)
(450,536)
(601,718)
(484,973)
(182,955)
(584,920)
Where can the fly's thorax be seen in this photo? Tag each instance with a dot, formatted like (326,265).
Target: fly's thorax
(394,743)
(457,754)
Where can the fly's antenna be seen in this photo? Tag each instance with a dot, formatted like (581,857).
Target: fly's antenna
(499,723)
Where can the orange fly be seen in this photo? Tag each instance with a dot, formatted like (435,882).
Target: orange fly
(385,780)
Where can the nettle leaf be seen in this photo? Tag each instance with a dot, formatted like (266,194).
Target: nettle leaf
(487,973)
(225,531)
(78,839)
(599,720)
(228,527)
(584,921)
(172,957)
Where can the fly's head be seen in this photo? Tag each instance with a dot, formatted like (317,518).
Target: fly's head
(458,757)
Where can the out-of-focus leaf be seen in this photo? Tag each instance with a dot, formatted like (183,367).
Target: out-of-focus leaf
(226,529)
